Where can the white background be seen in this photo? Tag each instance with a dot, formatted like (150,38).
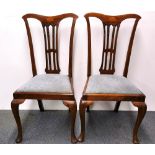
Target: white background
(15,66)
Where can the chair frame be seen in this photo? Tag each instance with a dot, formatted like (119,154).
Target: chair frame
(87,99)
(68,98)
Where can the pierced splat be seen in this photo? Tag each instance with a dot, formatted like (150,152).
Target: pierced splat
(109,48)
(50,26)
(51,48)
(111,26)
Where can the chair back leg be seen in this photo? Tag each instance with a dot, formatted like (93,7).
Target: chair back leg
(117,105)
(41,106)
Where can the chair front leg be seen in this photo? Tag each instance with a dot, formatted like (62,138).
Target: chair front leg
(142,107)
(73,110)
(41,106)
(15,110)
(83,106)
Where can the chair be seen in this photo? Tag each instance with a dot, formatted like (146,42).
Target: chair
(107,86)
(52,85)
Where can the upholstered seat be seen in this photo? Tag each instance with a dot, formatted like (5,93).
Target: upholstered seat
(47,83)
(110,84)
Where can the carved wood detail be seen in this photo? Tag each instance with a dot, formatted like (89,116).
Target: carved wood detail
(111,26)
(50,26)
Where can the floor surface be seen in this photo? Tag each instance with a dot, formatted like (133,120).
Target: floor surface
(53,127)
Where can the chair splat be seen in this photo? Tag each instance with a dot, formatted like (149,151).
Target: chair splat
(51,48)
(111,26)
(50,25)
(109,48)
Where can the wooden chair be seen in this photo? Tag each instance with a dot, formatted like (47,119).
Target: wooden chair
(50,86)
(107,86)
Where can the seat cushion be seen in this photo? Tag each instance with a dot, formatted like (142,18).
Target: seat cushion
(53,83)
(110,84)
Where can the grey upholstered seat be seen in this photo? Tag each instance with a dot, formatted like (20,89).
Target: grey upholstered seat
(111,84)
(47,83)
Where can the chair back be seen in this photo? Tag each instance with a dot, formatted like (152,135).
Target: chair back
(50,25)
(111,25)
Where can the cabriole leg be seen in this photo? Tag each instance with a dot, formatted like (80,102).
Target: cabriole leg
(73,110)
(83,106)
(15,110)
(141,113)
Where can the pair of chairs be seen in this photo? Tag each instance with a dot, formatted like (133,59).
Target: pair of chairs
(103,87)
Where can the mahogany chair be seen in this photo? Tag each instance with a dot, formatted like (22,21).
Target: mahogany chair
(107,86)
(52,85)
